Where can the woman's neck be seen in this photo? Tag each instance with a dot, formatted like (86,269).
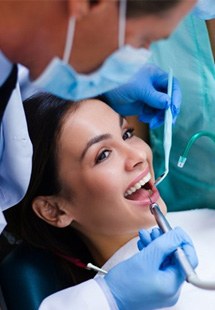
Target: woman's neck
(102,248)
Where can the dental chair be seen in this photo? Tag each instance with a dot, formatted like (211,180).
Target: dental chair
(27,276)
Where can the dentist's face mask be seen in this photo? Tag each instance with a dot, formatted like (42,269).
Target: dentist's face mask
(60,79)
(205,9)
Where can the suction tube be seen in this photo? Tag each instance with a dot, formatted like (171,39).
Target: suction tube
(196,136)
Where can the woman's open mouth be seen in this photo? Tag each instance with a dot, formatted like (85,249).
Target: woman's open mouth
(142,190)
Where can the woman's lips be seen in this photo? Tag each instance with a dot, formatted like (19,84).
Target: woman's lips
(142,182)
(145,196)
(137,179)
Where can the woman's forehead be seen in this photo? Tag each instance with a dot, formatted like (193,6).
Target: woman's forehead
(90,121)
(91,110)
(91,118)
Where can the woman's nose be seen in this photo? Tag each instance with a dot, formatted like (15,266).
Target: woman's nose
(134,158)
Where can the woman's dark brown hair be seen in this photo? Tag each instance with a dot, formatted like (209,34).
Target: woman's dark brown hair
(45,114)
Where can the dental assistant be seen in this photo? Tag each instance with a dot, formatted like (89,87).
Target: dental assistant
(29,36)
(193,43)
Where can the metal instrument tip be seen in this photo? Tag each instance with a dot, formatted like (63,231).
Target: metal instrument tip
(151,205)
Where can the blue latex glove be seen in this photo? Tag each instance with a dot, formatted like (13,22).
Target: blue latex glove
(143,281)
(147,237)
(145,95)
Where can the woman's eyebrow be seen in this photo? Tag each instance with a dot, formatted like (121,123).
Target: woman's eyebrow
(93,141)
(99,138)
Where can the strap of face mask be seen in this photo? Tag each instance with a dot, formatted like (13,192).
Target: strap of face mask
(122,22)
(69,39)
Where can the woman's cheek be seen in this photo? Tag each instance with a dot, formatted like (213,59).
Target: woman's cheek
(146,148)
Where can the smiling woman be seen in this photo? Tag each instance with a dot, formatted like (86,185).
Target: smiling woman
(91,186)
(92,177)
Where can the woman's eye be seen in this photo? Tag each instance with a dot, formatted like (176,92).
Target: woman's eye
(128,134)
(102,156)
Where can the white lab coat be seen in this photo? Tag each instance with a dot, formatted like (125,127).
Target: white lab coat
(88,295)
(15,148)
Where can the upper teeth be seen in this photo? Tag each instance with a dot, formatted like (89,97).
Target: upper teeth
(138,185)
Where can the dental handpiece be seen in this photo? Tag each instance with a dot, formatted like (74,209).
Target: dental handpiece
(191,275)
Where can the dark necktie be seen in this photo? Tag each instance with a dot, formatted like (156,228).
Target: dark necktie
(6,90)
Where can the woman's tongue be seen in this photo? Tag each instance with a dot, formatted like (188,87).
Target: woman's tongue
(139,195)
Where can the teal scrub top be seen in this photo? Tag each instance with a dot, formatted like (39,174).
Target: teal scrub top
(188,52)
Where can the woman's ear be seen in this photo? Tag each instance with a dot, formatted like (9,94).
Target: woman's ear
(49,209)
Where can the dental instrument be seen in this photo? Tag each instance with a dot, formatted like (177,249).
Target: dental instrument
(90,266)
(191,276)
(167,132)
(77,262)
(203,133)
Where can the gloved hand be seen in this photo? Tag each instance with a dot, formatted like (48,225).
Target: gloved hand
(143,281)
(147,237)
(145,95)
